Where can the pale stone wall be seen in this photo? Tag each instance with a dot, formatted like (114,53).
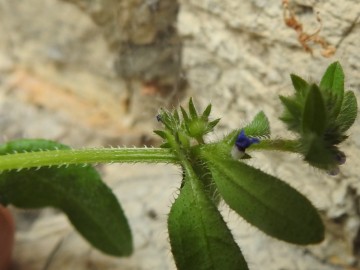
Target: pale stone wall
(238,55)
(58,80)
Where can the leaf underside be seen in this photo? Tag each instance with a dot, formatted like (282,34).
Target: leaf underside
(199,237)
(348,113)
(314,115)
(264,200)
(259,127)
(76,190)
(333,83)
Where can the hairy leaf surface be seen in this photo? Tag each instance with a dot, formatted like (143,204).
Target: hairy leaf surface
(76,190)
(332,82)
(348,111)
(300,85)
(264,200)
(199,237)
(258,127)
(314,116)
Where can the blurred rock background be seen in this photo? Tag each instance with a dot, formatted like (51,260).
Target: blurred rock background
(94,73)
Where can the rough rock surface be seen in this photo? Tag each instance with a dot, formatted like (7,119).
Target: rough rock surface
(136,30)
(238,55)
(58,81)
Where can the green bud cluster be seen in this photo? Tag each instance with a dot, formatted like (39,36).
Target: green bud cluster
(182,131)
(321,115)
(199,236)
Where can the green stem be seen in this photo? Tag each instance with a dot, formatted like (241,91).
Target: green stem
(85,156)
(277,145)
(200,140)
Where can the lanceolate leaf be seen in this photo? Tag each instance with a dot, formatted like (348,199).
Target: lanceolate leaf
(348,112)
(161,133)
(292,106)
(264,200)
(76,190)
(333,83)
(176,116)
(199,237)
(185,115)
(258,127)
(192,109)
(318,153)
(333,78)
(299,83)
(212,124)
(314,115)
(292,115)
(206,112)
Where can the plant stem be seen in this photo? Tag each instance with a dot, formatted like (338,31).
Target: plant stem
(277,145)
(84,156)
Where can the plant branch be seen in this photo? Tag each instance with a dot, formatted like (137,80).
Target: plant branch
(19,161)
(277,145)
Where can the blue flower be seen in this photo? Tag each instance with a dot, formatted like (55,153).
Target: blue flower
(243,142)
(340,157)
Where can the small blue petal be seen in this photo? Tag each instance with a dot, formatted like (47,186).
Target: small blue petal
(158,118)
(243,142)
(340,157)
(334,171)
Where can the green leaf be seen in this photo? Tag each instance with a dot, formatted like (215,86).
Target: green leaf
(292,106)
(76,190)
(199,237)
(185,115)
(212,124)
(332,83)
(206,113)
(314,114)
(169,120)
(258,127)
(176,116)
(348,111)
(192,109)
(299,83)
(264,200)
(165,145)
(292,115)
(161,133)
(333,78)
(318,153)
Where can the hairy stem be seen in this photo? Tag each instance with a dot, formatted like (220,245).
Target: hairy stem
(84,156)
(277,145)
